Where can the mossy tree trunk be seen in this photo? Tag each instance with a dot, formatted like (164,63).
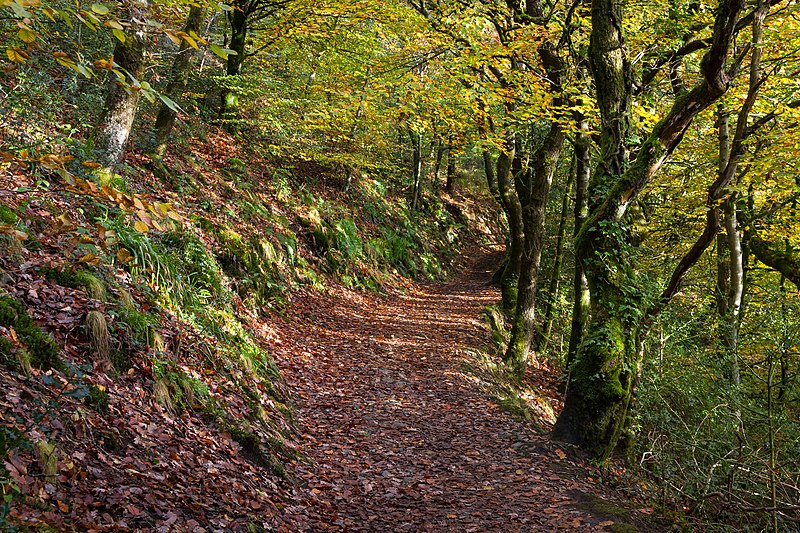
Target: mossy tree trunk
(580,285)
(605,369)
(516,230)
(178,78)
(533,189)
(122,101)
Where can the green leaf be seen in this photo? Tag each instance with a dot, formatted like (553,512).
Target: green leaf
(148,93)
(219,51)
(80,67)
(120,35)
(169,103)
(100,9)
(67,20)
(20,11)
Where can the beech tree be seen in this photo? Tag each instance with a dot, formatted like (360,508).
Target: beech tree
(243,17)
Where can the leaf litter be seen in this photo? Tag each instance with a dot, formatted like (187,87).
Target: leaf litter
(396,437)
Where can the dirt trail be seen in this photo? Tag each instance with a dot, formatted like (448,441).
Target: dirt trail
(399,438)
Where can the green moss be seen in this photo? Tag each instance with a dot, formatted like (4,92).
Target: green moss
(623,527)
(607,509)
(78,279)
(7,358)
(508,288)
(43,351)
(205,224)
(7,215)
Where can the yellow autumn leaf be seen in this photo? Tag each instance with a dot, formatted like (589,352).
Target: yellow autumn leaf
(26,35)
(89,258)
(186,37)
(113,24)
(16,55)
(124,256)
(172,37)
(140,226)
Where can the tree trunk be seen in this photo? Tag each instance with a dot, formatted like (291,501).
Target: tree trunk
(438,165)
(555,276)
(533,189)
(516,231)
(723,260)
(116,122)
(229,109)
(484,126)
(580,286)
(491,177)
(450,184)
(606,366)
(735,292)
(416,146)
(178,78)
(730,272)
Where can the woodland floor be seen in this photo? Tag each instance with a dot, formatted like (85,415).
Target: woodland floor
(396,436)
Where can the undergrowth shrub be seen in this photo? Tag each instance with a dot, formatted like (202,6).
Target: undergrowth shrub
(728,453)
(254,266)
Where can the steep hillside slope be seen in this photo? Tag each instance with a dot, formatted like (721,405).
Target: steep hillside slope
(138,316)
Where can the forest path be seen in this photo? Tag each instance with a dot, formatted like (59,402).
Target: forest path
(397,437)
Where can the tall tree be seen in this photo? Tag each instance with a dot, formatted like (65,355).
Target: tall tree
(178,78)
(607,363)
(243,18)
(122,101)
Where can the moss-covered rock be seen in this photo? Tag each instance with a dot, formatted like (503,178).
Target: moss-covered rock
(43,351)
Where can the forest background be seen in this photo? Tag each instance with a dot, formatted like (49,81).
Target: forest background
(177,171)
